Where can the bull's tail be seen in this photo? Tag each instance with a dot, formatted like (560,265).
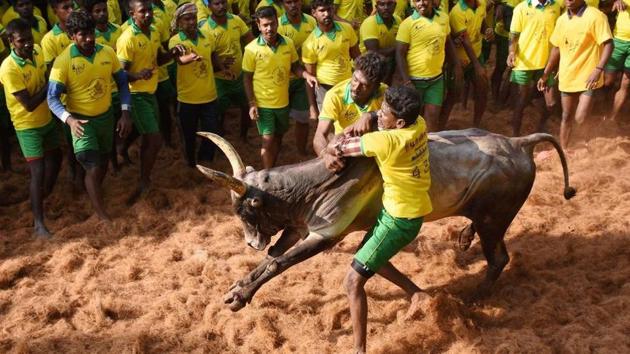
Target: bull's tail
(528,143)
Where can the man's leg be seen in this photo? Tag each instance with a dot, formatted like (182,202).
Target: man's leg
(393,275)
(149,149)
(524,96)
(164,94)
(209,121)
(569,104)
(145,117)
(584,106)
(267,150)
(94,170)
(52,165)
(188,121)
(5,130)
(481,99)
(355,288)
(432,94)
(620,96)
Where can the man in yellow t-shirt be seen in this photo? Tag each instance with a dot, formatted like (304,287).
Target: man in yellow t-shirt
(23,77)
(348,101)
(83,72)
(619,62)
(378,34)
(56,40)
(467,21)
(297,26)
(582,44)
(196,90)
(140,50)
(328,52)
(423,39)
(351,12)
(532,23)
(267,64)
(24,9)
(401,152)
(230,34)
(5,119)
(277,4)
(11,14)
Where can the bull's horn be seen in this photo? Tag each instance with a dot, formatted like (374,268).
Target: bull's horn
(238,168)
(236,185)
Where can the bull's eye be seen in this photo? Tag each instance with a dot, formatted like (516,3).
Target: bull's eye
(255,202)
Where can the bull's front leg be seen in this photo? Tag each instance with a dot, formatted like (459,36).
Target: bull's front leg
(239,296)
(289,237)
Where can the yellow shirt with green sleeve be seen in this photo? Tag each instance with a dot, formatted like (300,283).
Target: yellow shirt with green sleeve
(579,39)
(228,41)
(278,6)
(109,38)
(622,26)
(464,18)
(113,12)
(339,107)
(19,74)
(534,25)
(195,81)
(271,68)
(402,156)
(426,38)
(330,52)
(54,42)
(163,30)
(140,51)
(86,79)
(297,33)
(374,27)
(39,31)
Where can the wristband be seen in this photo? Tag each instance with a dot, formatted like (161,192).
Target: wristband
(125,107)
(600,68)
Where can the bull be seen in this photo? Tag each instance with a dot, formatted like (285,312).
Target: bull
(482,176)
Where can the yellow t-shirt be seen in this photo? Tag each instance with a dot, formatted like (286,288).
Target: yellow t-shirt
(592,3)
(579,39)
(163,30)
(402,156)
(375,28)
(87,79)
(350,10)
(464,18)
(401,7)
(299,33)
(534,23)
(18,74)
(10,14)
(40,31)
(52,17)
(228,41)
(427,42)
(109,38)
(113,12)
(622,26)
(140,51)
(339,107)
(278,6)
(53,43)
(271,68)
(331,52)
(195,81)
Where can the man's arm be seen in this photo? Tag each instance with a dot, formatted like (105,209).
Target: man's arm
(374,46)
(248,84)
(310,92)
(55,89)
(355,52)
(144,74)
(124,124)
(31,102)
(607,50)
(513,48)
(298,70)
(401,62)
(552,64)
(320,140)
(346,147)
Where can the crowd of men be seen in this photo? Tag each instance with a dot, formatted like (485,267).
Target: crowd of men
(100,74)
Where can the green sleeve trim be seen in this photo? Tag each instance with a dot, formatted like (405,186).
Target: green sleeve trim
(325,118)
(362,147)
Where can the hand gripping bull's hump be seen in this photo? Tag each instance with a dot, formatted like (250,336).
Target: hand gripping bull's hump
(483,176)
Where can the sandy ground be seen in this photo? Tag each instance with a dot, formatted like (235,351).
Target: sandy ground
(154,280)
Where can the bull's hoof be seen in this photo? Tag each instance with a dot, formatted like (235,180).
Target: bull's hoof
(234,299)
(466,236)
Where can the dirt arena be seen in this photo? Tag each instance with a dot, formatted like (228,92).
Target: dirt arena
(154,280)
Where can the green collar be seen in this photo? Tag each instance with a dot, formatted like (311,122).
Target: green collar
(380,21)
(184,37)
(284,20)
(579,12)
(464,6)
(21,61)
(74,52)
(212,23)
(416,15)
(332,34)
(261,42)
(56,30)
(136,29)
(108,33)
(347,97)
(539,6)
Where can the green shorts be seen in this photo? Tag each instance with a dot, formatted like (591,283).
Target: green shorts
(431,90)
(230,91)
(383,241)
(144,112)
(165,92)
(98,133)
(298,101)
(620,58)
(272,120)
(530,77)
(35,142)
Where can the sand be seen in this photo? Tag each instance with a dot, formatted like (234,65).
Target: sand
(153,281)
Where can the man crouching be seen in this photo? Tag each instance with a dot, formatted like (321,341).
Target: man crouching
(401,152)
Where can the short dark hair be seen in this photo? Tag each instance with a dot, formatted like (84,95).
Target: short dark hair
(131,3)
(266,12)
(372,65)
(13,2)
(88,5)
(404,102)
(55,3)
(317,3)
(79,21)
(16,26)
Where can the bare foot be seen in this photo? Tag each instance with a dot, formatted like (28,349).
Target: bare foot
(40,231)
(418,307)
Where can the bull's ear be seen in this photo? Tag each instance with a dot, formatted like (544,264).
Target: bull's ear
(255,202)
